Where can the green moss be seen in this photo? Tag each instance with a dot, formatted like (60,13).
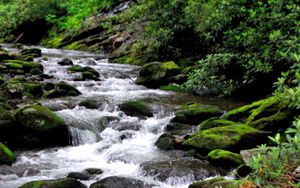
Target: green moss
(172,87)
(206,183)
(75,46)
(57,183)
(14,66)
(53,42)
(127,59)
(6,155)
(228,137)
(225,159)
(215,122)
(38,118)
(195,113)
(136,108)
(169,65)
(36,71)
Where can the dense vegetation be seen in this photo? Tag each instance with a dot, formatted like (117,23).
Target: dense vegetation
(222,47)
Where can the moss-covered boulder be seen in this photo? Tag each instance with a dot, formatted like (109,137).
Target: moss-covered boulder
(7,124)
(40,127)
(136,108)
(120,182)
(65,62)
(155,74)
(16,87)
(215,122)
(88,73)
(232,138)
(194,113)
(181,167)
(166,142)
(224,159)
(31,53)
(26,66)
(206,183)
(6,155)
(62,89)
(271,114)
(57,183)
(90,104)
(179,129)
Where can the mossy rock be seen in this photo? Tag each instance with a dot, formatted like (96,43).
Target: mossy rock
(120,182)
(90,104)
(6,121)
(232,138)
(136,108)
(172,87)
(224,159)
(32,52)
(40,127)
(24,65)
(57,183)
(36,71)
(86,75)
(154,74)
(62,89)
(215,122)
(4,55)
(17,86)
(14,66)
(206,183)
(6,155)
(65,62)
(194,113)
(270,114)
(166,142)
(181,129)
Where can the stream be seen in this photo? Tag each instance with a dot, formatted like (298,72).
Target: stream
(99,139)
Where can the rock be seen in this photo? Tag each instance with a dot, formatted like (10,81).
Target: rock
(36,71)
(215,122)
(232,138)
(31,52)
(271,114)
(154,75)
(90,104)
(26,66)
(206,183)
(57,183)
(224,159)
(15,87)
(93,171)
(87,72)
(7,124)
(248,154)
(194,113)
(40,127)
(243,171)
(4,55)
(120,182)
(166,142)
(62,89)
(181,129)
(296,173)
(65,62)
(78,175)
(136,108)
(6,155)
(179,168)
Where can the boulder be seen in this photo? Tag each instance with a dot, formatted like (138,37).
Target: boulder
(88,73)
(194,113)
(62,89)
(206,183)
(136,108)
(7,124)
(57,183)
(78,175)
(90,104)
(26,66)
(31,53)
(16,87)
(181,129)
(6,155)
(166,142)
(232,138)
(224,159)
(271,114)
(93,171)
(120,182)
(4,55)
(163,170)
(215,122)
(155,74)
(40,127)
(65,62)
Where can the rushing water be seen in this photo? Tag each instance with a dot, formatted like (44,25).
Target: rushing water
(107,147)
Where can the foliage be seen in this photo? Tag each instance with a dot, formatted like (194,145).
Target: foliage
(282,160)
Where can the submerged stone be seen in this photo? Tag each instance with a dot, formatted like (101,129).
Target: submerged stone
(57,183)
(120,182)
